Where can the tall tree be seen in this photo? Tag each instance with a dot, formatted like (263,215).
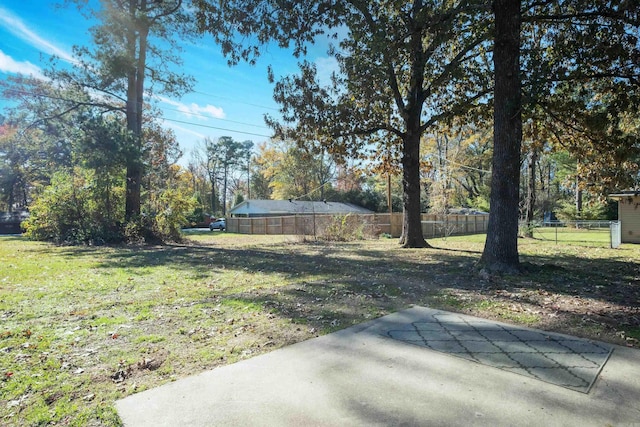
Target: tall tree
(501,246)
(457,161)
(31,149)
(589,49)
(13,160)
(587,84)
(134,46)
(211,164)
(404,66)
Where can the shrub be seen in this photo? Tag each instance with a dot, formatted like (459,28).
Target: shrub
(75,208)
(591,210)
(81,206)
(175,207)
(344,228)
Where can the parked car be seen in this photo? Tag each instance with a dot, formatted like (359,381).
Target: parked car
(218,224)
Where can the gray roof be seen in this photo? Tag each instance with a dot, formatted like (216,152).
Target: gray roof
(286,207)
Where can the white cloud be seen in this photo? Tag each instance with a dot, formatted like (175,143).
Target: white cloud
(195,110)
(18,28)
(11,66)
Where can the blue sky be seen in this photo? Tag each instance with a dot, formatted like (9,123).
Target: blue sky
(227,101)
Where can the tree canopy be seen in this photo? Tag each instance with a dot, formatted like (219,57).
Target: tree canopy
(97,110)
(404,66)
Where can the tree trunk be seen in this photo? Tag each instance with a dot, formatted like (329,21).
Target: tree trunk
(578,200)
(531,191)
(11,198)
(134,168)
(412,226)
(501,248)
(412,114)
(224,190)
(213,198)
(137,44)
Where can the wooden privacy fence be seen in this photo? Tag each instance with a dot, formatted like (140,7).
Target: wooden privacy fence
(371,224)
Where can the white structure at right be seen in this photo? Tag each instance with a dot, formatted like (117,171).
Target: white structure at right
(628,215)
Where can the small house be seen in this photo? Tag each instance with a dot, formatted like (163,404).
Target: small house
(271,208)
(628,215)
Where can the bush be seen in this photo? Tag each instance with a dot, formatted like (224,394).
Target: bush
(74,209)
(590,211)
(81,206)
(345,228)
(175,208)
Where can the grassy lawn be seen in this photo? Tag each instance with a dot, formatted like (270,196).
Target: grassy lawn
(83,326)
(597,237)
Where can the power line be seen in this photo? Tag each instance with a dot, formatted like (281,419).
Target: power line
(163,118)
(216,128)
(291,199)
(215,118)
(74,61)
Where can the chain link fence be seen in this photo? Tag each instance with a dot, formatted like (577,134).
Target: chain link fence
(597,233)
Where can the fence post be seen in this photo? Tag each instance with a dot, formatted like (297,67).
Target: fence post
(615,234)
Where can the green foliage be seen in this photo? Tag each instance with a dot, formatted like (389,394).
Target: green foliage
(480,202)
(81,206)
(526,229)
(456,163)
(196,216)
(28,156)
(226,159)
(295,171)
(590,211)
(139,230)
(78,206)
(369,199)
(176,205)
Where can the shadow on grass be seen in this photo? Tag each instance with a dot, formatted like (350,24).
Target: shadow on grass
(466,251)
(331,285)
(609,278)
